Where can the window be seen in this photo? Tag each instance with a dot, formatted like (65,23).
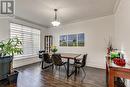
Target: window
(30,38)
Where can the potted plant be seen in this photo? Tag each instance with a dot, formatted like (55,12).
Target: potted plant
(8,48)
(54,49)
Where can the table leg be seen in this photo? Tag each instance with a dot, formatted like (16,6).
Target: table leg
(111,78)
(107,75)
(42,64)
(67,68)
(75,67)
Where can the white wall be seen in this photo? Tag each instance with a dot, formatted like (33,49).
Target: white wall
(96,30)
(4,29)
(5,34)
(122,27)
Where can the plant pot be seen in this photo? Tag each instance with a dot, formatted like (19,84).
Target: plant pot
(12,77)
(5,66)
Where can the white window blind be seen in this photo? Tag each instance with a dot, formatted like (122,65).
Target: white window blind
(30,38)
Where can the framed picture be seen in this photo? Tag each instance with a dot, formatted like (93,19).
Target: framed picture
(63,40)
(81,39)
(72,40)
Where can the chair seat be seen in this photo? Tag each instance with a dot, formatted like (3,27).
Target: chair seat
(77,62)
(49,61)
(62,63)
(78,65)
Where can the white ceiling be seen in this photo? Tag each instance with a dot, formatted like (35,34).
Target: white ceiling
(41,11)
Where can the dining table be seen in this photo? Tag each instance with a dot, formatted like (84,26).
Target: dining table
(70,56)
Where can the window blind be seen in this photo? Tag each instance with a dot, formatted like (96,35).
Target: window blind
(30,38)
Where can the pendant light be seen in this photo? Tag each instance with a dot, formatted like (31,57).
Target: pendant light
(55,23)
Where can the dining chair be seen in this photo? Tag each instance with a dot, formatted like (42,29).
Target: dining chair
(41,52)
(57,61)
(81,64)
(47,59)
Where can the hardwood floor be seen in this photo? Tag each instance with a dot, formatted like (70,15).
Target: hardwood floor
(33,76)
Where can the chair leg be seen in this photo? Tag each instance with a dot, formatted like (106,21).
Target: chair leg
(59,68)
(55,69)
(78,70)
(45,67)
(42,64)
(84,74)
(73,68)
(52,66)
(84,71)
(65,68)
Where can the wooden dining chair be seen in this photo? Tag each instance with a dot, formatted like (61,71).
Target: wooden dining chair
(57,61)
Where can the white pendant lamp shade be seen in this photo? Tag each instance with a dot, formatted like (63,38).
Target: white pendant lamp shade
(55,23)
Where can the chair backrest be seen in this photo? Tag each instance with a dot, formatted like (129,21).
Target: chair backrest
(47,58)
(56,58)
(84,60)
(41,52)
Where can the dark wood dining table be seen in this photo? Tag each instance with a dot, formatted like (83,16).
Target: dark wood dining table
(69,56)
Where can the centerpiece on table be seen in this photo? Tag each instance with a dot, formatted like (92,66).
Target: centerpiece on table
(114,54)
(54,49)
(117,58)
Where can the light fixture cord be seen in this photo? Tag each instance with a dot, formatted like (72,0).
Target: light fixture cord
(55,14)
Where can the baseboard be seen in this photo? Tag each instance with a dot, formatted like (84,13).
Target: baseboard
(95,65)
(23,62)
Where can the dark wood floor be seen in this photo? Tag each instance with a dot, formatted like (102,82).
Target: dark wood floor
(33,76)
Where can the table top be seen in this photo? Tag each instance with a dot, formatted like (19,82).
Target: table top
(69,55)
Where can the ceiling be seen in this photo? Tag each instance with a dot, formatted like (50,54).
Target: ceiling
(41,11)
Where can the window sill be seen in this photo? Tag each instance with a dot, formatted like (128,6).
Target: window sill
(23,58)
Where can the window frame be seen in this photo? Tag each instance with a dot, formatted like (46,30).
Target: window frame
(30,55)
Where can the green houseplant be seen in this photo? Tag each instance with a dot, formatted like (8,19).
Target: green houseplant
(8,49)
